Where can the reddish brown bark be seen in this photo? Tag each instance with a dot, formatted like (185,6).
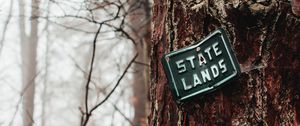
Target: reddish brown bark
(296,7)
(265,37)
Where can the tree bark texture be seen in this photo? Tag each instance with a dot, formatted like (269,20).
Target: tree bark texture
(266,40)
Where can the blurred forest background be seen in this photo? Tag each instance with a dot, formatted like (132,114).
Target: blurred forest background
(74,62)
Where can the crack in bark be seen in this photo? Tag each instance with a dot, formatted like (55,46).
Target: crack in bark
(170,18)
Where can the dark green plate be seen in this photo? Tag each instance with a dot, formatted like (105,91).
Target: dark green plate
(201,68)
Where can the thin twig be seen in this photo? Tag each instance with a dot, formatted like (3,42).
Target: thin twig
(91,70)
(141,63)
(118,82)
(21,98)
(88,114)
(122,114)
(6,25)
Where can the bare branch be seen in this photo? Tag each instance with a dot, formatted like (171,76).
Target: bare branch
(118,82)
(89,113)
(141,63)
(91,69)
(122,114)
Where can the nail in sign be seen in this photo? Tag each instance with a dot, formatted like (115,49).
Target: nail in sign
(201,68)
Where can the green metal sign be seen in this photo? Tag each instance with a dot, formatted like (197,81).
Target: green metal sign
(201,68)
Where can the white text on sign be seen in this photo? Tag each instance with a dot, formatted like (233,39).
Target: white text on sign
(204,75)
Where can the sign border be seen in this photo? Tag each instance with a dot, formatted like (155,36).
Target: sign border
(218,31)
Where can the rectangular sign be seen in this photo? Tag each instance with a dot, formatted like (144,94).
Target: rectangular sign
(201,68)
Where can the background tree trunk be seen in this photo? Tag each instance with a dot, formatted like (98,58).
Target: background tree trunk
(28,53)
(265,38)
(140,16)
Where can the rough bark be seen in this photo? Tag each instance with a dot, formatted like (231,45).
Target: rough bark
(28,53)
(265,37)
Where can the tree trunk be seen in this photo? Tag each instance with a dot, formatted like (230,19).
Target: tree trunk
(265,38)
(140,30)
(28,53)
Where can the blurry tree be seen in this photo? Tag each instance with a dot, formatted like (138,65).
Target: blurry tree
(29,53)
(139,25)
(265,38)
